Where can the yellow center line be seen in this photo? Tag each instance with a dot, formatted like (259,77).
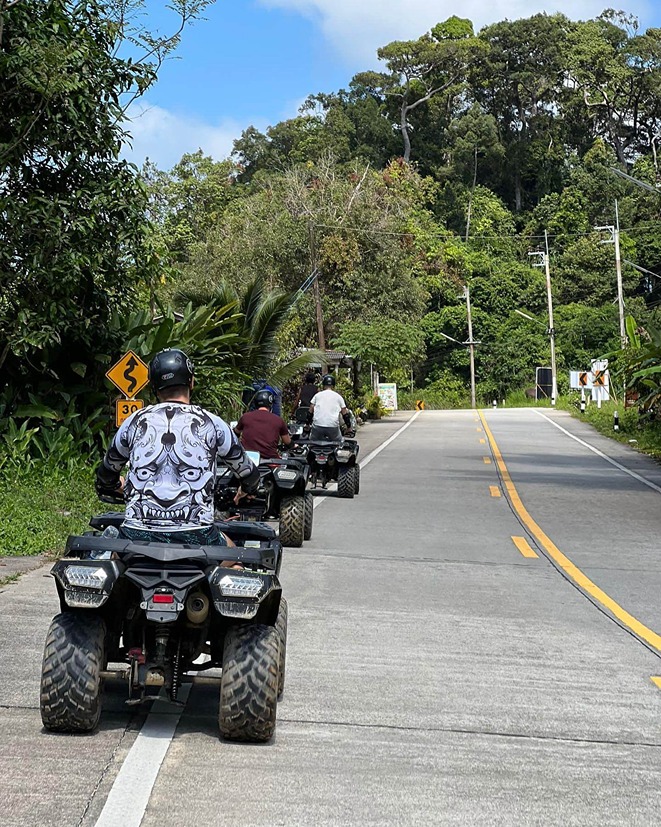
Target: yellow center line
(656,680)
(487,460)
(524,547)
(495,491)
(572,571)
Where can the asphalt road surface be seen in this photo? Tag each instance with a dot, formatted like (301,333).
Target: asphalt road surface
(472,640)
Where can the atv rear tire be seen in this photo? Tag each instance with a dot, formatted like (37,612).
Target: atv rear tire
(281,628)
(346,486)
(70,696)
(309,516)
(249,684)
(356,488)
(292,521)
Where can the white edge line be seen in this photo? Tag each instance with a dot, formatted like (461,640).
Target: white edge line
(130,793)
(390,439)
(319,502)
(601,454)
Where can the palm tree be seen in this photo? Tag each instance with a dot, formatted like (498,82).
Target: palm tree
(247,325)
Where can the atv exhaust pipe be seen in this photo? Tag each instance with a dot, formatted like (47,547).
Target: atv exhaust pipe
(197,607)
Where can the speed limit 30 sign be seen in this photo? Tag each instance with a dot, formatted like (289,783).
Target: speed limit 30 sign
(125,407)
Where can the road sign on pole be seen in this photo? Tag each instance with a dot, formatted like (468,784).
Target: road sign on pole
(125,407)
(419,405)
(130,374)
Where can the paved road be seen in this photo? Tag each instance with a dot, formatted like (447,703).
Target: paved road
(436,675)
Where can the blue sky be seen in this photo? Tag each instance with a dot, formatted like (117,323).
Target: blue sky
(255,61)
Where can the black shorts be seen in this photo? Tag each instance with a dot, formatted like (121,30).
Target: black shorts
(208,535)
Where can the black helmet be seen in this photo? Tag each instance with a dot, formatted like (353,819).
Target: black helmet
(328,381)
(311,379)
(169,368)
(263,399)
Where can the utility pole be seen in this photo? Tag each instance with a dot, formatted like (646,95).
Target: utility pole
(315,290)
(545,262)
(618,267)
(554,375)
(615,240)
(471,343)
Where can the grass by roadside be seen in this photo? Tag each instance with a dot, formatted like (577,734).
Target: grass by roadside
(40,507)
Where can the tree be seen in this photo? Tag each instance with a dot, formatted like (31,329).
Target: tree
(418,70)
(75,243)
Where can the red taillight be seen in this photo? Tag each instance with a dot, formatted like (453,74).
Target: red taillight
(163,598)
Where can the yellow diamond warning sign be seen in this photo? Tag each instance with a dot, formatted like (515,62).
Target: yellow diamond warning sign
(129,374)
(125,407)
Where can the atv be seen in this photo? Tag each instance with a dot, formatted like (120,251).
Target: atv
(332,460)
(281,496)
(161,612)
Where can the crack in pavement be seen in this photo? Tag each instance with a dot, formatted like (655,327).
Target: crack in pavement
(464,731)
(104,771)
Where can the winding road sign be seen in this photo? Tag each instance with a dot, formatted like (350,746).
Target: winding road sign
(130,374)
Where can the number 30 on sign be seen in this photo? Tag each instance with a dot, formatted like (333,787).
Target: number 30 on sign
(125,407)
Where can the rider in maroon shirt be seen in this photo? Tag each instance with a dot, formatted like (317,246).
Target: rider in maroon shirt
(260,430)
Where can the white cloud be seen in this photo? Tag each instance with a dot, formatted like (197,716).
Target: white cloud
(356,28)
(164,136)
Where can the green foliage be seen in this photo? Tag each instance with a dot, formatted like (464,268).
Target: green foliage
(390,345)
(41,505)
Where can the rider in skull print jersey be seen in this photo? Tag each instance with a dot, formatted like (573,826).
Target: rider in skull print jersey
(172,449)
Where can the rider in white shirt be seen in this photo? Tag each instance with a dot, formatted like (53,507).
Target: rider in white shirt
(325,409)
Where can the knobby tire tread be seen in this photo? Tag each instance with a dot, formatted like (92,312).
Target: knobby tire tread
(281,627)
(309,516)
(292,521)
(70,696)
(346,485)
(249,684)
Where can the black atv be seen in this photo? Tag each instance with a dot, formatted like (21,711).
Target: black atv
(281,496)
(332,460)
(156,610)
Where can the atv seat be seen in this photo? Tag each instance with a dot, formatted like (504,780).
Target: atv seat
(237,530)
(89,547)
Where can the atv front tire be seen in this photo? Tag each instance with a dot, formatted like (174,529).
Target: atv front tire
(249,684)
(309,516)
(346,485)
(70,697)
(281,628)
(292,521)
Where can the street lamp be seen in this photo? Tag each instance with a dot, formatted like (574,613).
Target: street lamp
(470,344)
(551,334)
(544,261)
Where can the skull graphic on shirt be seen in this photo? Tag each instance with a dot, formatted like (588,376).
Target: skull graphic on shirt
(172,467)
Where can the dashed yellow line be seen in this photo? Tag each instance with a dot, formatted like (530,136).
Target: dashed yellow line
(487,460)
(572,571)
(656,680)
(483,441)
(495,491)
(479,430)
(524,547)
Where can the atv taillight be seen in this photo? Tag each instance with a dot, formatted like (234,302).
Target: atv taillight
(163,598)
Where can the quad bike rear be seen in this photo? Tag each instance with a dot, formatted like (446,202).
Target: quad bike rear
(161,614)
